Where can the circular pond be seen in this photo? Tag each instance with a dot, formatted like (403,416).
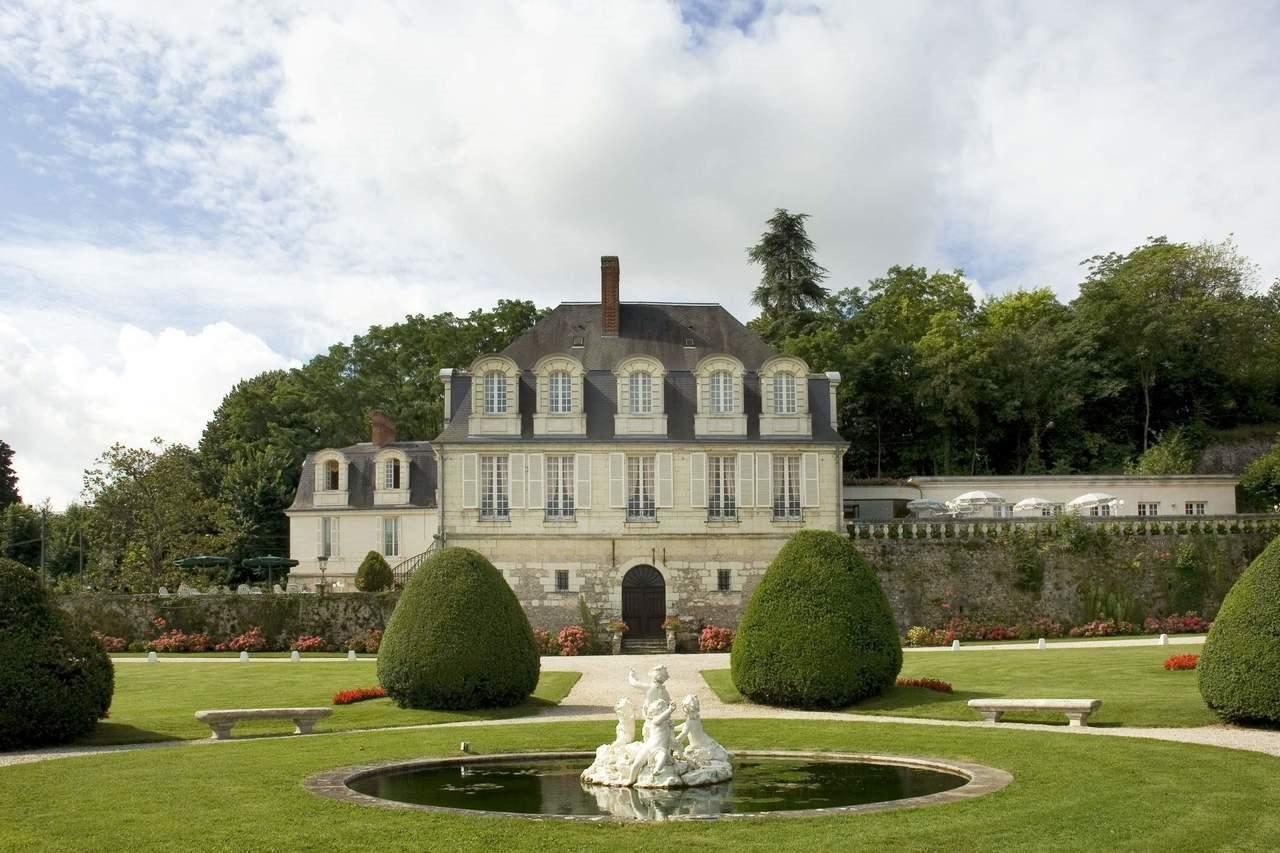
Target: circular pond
(548,786)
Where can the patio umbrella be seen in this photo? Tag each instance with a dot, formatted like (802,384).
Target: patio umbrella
(926,505)
(269,563)
(1093,499)
(203,561)
(978,498)
(1029,504)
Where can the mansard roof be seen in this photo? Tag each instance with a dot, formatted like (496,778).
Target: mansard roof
(361,476)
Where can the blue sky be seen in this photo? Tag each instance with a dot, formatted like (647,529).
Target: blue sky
(193,194)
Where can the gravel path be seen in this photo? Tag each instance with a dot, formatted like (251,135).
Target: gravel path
(604,681)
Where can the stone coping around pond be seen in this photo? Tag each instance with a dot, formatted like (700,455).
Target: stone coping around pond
(981,780)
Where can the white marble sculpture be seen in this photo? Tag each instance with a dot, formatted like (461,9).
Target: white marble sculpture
(663,757)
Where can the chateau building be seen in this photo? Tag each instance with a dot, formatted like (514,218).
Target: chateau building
(649,457)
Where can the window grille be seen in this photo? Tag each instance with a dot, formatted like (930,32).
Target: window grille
(786,486)
(640,492)
(560,487)
(1195,508)
(562,580)
(722,500)
(724,579)
(494,485)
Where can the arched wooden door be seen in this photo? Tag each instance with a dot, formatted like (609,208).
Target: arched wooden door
(644,601)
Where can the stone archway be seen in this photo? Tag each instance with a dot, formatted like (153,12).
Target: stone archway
(644,602)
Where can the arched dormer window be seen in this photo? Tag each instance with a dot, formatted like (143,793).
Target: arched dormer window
(331,478)
(721,409)
(390,476)
(722,396)
(495,393)
(495,405)
(640,390)
(558,379)
(784,397)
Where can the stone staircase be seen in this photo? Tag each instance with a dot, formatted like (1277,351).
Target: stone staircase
(644,646)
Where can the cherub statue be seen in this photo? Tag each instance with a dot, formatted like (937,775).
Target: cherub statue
(701,748)
(625,732)
(654,690)
(658,740)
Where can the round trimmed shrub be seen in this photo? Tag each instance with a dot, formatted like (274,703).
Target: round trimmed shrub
(56,679)
(374,575)
(818,631)
(458,638)
(1240,664)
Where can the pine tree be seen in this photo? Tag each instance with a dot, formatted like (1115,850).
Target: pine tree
(790,287)
(8,479)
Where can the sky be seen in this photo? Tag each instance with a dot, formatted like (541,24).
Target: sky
(192,193)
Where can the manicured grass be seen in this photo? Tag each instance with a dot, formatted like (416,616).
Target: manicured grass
(190,656)
(158,701)
(1069,793)
(1132,683)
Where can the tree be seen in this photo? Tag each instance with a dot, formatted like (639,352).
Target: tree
(1173,454)
(374,575)
(20,534)
(8,478)
(1261,480)
(790,288)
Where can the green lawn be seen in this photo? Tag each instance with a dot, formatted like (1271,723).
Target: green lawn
(158,701)
(1069,793)
(1134,687)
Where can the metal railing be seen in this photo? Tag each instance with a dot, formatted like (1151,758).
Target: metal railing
(402,570)
(995,528)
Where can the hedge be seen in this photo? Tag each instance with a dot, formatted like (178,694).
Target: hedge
(458,638)
(56,679)
(818,631)
(1240,665)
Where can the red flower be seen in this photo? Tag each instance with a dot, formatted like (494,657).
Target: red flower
(359,694)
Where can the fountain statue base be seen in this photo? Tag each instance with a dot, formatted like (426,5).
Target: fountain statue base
(665,757)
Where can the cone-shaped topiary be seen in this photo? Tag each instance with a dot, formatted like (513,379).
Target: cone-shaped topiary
(374,575)
(56,680)
(1240,665)
(458,638)
(818,631)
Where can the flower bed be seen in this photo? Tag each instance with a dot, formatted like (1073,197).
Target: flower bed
(715,639)
(572,640)
(308,644)
(111,644)
(970,632)
(359,694)
(1181,662)
(250,641)
(935,684)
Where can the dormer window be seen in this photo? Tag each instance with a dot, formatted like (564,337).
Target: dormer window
(495,393)
(331,478)
(332,475)
(722,392)
(391,474)
(784,393)
(641,388)
(560,392)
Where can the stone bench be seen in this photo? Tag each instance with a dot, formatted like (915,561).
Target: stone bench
(304,719)
(1077,710)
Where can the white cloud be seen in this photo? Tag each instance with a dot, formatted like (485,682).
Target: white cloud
(300,171)
(63,404)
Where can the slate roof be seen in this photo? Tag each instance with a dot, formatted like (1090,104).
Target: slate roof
(360,477)
(657,330)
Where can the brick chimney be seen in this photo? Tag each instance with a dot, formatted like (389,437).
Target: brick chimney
(384,429)
(609,295)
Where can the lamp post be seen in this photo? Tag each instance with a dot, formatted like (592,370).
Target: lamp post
(323,560)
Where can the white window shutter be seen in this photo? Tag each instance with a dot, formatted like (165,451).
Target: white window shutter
(515,471)
(319,469)
(582,480)
(319,536)
(470,480)
(746,479)
(809,479)
(697,479)
(617,480)
(537,472)
(336,527)
(342,476)
(381,542)
(665,475)
(764,479)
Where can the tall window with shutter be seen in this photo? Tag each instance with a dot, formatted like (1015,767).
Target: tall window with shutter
(391,536)
(641,503)
(495,496)
(786,486)
(722,502)
(560,487)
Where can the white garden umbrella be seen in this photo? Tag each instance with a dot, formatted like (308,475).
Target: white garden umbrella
(978,498)
(1032,504)
(1093,499)
(926,505)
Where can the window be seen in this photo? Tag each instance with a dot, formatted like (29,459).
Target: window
(562,580)
(1148,509)
(784,394)
(560,392)
(722,502)
(331,475)
(1101,509)
(391,537)
(641,386)
(1195,508)
(640,498)
(494,481)
(724,578)
(391,474)
(559,487)
(495,393)
(1051,511)
(328,537)
(722,393)
(786,486)
(1004,510)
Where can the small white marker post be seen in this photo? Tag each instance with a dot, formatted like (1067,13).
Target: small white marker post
(295,656)
(1164,639)
(351,654)
(1041,643)
(244,656)
(955,645)
(152,658)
